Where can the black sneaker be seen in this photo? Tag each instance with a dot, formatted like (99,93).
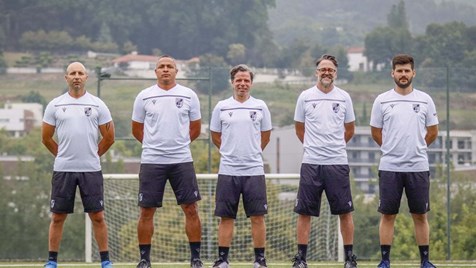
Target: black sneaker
(196,263)
(221,263)
(144,264)
(260,263)
(427,264)
(351,262)
(299,262)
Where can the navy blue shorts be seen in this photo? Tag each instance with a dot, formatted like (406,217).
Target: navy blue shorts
(152,180)
(417,190)
(229,189)
(63,191)
(333,179)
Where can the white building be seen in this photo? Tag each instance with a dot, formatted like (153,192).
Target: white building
(357,60)
(19,118)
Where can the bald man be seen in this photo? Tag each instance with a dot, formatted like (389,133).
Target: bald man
(77,117)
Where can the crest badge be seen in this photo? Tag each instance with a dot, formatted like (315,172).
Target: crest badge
(253,115)
(335,107)
(88,111)
(416,108)
(179,102)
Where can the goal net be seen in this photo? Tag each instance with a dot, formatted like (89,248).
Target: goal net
(170,244)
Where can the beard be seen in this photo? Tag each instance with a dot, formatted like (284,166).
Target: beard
(403,85)
(327,83)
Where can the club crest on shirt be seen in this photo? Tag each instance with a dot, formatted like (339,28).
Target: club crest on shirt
(64,109)
(335,107)
(314,105)
(416,108)
(179,102)
(230,114)
(154,101)
(88,111)
(253,115)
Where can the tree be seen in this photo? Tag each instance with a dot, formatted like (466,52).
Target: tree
(213,67)
(34,97)
(397,18)
(383,43)
(236,53)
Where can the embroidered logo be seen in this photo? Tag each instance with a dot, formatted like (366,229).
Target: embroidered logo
(154,101)
(230,114)
(52,203)
(179,102)
(141,197)
(416,108)
(88,111)
(335,107)
(253,115)
(314,105)
(64,109)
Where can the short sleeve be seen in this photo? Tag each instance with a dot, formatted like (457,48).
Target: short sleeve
(215,121)
(349,111)
(49,115)
(376,119)
(432,117)
(195,108)
(138,111)
(266,121)
(104,113)
(299,111)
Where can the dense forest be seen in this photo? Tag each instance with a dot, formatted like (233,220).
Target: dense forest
(259,32)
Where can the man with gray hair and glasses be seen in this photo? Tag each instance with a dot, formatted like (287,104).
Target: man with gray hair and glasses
(324,123)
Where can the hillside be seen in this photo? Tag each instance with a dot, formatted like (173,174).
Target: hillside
(315,20)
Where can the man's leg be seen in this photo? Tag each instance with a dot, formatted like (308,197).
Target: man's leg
(347,228)
(258,231)
(193,229)
(145,226)
(193,226)
(56,231)
(386,230)
(145,230)
(422,235)
(100,229)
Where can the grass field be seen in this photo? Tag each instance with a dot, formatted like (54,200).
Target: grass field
(366,264)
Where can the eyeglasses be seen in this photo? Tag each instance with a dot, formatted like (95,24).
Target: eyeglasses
(326,70)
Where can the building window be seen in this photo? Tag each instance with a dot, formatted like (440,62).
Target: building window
(371,156)
(460,144)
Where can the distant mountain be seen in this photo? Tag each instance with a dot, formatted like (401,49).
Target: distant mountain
(351,20)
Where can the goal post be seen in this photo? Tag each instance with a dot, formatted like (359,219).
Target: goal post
(169,242)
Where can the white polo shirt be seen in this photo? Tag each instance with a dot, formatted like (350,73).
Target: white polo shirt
(324,115)
(240,125)
(77,124)
(403,120)
(166,115)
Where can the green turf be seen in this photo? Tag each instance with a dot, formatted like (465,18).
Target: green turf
(361,264)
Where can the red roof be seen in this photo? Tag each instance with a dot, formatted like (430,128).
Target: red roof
(356,50)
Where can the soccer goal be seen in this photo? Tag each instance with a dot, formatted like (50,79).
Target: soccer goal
(169,243)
